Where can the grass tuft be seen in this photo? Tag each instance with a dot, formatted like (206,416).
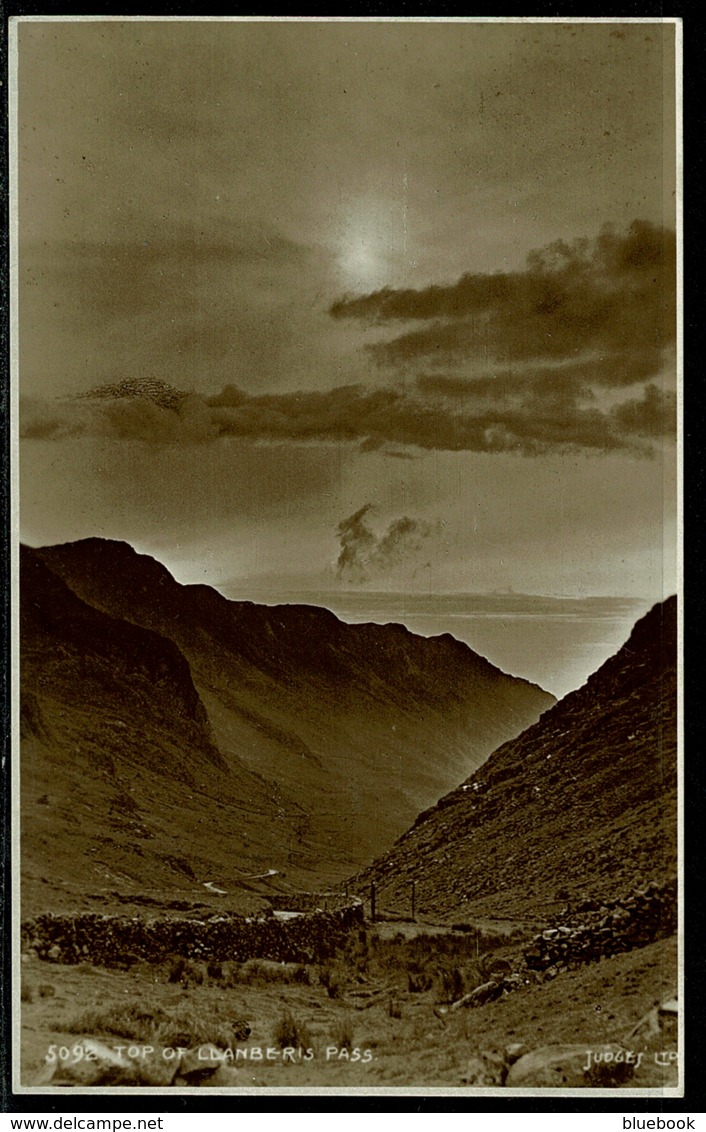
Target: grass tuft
(343,1038)
(291,1033)
(185,1026)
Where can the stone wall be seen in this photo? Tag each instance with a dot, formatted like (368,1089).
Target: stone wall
(313,901)
(110,940)
(595,931)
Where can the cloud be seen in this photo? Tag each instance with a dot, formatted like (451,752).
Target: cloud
(651,416)
(613,296)
(52,420)
(357,541)
(364,554)
(430,416)
(573,353)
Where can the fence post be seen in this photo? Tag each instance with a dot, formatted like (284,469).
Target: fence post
(372,901)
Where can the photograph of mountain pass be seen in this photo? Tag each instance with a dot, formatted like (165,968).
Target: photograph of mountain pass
(347,559)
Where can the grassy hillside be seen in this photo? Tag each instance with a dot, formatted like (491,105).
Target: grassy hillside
(582,804)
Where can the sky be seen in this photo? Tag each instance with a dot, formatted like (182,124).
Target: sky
(349,304)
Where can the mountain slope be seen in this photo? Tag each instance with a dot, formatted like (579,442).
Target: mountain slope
(582,803)
(101,657)
(121,781)
(358,725)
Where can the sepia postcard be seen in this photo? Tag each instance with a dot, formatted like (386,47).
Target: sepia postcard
(346,379)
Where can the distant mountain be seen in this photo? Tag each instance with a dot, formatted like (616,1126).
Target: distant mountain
(349,729)
(582,803)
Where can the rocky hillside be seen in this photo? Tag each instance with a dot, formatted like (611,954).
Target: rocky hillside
(305,745)
(71,651)
(122,782)
(580,806)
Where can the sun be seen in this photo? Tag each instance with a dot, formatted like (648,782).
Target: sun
(370,244)
(362,264)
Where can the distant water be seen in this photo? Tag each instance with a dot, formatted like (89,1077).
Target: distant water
(554,642)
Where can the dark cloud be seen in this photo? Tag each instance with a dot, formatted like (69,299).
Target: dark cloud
(530,421)
(357,541)
(51,420)
(614,295)
(506,387)
(568,378)
(364,554)
(651,416)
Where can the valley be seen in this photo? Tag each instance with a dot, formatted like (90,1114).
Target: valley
(179,739)
(219,776)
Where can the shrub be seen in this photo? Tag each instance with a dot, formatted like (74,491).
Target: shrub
(261,972)
(419,981)
(135,1022)
(182,970)
(187,1028)
(253,973)
(343,1038)
(289,1032)
(129,1020)
(609,1076)
(451,983)
(178,969)
(356,954)
(233,974)
(490,965)
(330,979)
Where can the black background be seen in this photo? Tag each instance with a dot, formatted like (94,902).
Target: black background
(74,1102)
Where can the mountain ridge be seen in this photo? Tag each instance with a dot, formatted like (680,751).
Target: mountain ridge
(336,731)
(213,603)
(51,609)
